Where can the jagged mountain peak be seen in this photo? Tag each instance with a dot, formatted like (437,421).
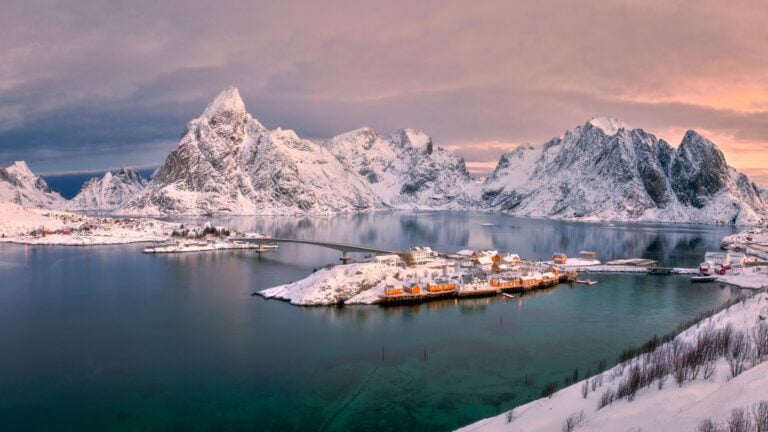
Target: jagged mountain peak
(609,125)
(108,192)
(415,139)
(227,103)
(627,175)
(20,185)
(20,168)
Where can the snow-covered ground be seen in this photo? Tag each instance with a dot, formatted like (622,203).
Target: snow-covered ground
(181,246)
(27,225)
(673,408)
(357,283)
(748,277)
(753,241)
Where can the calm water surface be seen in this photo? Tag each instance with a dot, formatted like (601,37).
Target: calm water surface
(107,338)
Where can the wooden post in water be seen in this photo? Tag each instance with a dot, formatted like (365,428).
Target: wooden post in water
(425,353)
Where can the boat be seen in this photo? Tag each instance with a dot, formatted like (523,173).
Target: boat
(703,278)
(507,295)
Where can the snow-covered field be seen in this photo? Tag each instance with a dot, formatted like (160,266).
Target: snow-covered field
(673,408)
(18,223)
(358,283)
(182,246)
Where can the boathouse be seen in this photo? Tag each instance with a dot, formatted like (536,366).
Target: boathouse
(412,288)
(392,290)
(588,255)
(560,258)
(440,285)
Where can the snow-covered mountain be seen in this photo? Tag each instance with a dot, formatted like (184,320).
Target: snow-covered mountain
(604,170)
(228,163)
(108,192)
(18,184)
(405,169)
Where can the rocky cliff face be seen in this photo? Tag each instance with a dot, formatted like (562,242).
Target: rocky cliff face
(18,184)
(604,170)
(228,163)
(108,192)
(405,169)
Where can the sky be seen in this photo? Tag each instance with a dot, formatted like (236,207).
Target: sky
(87,85)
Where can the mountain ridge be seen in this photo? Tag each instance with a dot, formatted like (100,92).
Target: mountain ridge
(227,162)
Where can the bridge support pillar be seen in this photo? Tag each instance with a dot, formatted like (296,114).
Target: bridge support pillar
(345,258)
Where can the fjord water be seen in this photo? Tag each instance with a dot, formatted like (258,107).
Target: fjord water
(108,338)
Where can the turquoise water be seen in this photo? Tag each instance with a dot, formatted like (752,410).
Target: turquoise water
(107,338)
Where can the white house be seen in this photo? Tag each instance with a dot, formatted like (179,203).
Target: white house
(419,255)
(511,259)
(387,260)
(484,262)
(474,283)
(717,258)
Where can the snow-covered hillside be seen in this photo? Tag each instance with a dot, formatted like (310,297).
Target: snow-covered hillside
(691,391)
(18,184)
(228,163)
(604,171)
(405,169)
(108,192)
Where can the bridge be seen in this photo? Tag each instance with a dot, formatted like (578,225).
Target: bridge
(345,249)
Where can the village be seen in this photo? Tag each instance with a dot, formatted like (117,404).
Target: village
(420,274)
(467,273)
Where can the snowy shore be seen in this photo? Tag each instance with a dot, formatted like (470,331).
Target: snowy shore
(31,226)
(674,407)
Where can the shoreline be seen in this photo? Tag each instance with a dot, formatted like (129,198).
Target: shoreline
(655,406)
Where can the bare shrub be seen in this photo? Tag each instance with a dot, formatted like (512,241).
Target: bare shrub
(739,421)
(707,425)
(573,421)
(585,389)
(738,353)
(760,341)
(709,368)
(760,416)
(510,415)
(606,399)
(601,366)
(549,389)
